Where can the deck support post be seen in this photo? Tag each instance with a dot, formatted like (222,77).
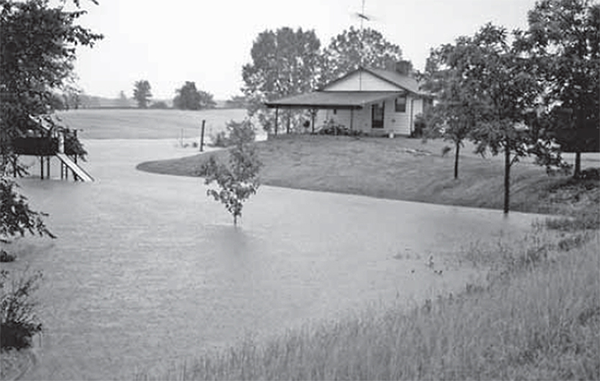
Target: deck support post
(41,167)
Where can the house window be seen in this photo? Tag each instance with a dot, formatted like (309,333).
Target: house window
(401,103)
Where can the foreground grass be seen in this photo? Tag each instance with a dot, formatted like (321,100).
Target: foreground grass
(401,169)
(538,318)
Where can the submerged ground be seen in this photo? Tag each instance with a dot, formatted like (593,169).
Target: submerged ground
(148,271)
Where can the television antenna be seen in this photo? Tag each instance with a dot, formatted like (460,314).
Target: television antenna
(362,16)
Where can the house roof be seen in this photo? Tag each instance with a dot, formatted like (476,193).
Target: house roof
(334,99)
(393,77)
(403,81)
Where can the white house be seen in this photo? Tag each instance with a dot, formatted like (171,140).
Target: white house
(372,101)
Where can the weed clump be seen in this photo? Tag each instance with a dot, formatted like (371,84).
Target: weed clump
(19,322)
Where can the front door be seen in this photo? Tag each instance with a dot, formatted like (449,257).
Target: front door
(377,113)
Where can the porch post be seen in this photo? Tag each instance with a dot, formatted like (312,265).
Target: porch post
(276,119)
(351,119)
(313,113)
(287,128)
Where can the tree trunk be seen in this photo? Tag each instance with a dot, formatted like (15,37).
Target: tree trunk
(577,172)
(456,154)
(506,178)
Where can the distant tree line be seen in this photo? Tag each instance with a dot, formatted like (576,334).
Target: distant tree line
(187,97)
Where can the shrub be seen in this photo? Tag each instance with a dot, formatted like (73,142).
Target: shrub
(18,321)
(333,128)
(220,139)
(239,180)
(6,257)
(420,126)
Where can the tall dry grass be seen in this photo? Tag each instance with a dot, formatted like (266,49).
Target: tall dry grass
(539,319)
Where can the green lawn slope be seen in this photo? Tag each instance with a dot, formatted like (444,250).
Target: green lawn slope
(401,169)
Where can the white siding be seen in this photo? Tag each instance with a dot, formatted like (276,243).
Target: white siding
(400,123)
(362,81)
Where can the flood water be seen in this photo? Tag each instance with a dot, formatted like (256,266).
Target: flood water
(147,271)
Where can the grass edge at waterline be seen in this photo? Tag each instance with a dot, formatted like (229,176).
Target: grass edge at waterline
(540,320)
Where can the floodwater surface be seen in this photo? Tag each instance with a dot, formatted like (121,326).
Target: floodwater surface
(147,271)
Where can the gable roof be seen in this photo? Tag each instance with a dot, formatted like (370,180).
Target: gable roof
(403,82)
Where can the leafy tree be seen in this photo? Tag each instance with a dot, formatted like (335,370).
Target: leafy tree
(285,62)
(16,218)
(564,40)
(207,100)
(189,98)
(142,93)
(37,45)
(455,114)
(355,47)
(122,101)
(239,180)
(496,74)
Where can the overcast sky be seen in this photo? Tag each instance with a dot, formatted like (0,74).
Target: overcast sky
(173,41)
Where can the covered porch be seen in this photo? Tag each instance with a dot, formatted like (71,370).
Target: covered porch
(352,109)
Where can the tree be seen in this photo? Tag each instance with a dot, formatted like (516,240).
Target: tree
(239,180)
(189,98)
(564,40)
(495,73)
(455,114)
(37,48)
(16,218)
(142,93)
(354,48)
(284,63)
(122,101)
(37,45)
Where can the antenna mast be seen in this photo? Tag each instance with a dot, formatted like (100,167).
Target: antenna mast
(362,17)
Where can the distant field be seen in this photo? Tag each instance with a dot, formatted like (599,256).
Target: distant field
(147,124)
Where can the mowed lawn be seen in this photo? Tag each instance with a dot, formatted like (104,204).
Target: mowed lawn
(400,168)
(147,124)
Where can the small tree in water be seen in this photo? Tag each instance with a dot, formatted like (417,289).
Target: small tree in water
(238,180)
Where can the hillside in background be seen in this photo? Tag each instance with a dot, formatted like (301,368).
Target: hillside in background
(105,123)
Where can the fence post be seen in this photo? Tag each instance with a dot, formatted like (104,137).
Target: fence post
(202,136)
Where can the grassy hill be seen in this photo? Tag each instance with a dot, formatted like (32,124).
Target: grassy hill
(401,168)
(147,124)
